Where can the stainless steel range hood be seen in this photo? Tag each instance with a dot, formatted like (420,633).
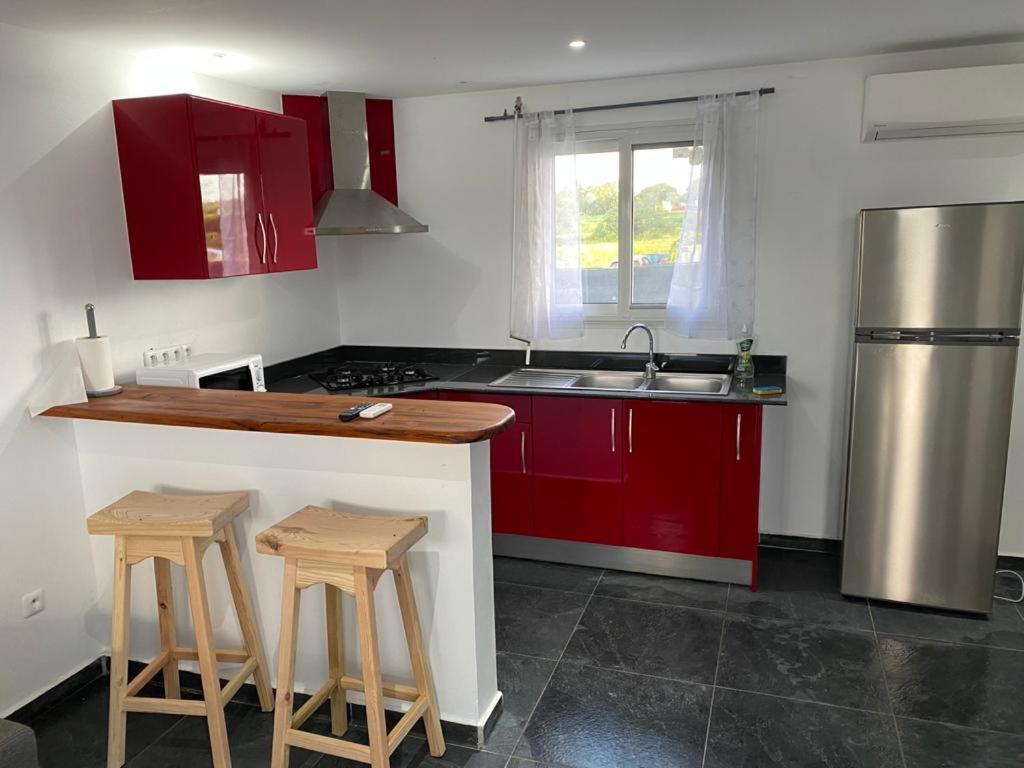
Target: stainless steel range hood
(352,208)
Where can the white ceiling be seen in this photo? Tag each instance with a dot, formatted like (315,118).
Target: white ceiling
(409,47)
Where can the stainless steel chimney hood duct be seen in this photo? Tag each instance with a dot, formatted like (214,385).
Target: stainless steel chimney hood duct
(352,208)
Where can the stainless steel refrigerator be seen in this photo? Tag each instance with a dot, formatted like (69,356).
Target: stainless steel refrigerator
(937,328)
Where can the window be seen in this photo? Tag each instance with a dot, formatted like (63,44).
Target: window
(631,187)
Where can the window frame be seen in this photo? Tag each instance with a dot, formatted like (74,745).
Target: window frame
(627,137)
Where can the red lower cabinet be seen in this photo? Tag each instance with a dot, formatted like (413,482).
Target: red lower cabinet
(671,478)
(512,481)
(512,500)
(577,469)
(741,481)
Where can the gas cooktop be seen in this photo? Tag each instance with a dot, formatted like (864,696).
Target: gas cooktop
(363,375)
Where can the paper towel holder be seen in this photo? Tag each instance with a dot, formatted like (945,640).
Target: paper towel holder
(90,319)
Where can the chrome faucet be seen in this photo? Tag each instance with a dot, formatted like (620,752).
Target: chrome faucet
(651,368)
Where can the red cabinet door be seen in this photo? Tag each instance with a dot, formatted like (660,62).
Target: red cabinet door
(158,181)
(228,176)
(287,204)
(512,481)
(511,464)
(671,478)
(741,479)
(577,468)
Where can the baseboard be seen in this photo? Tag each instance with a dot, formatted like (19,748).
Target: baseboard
(62,690)
(1011,563)
(835,546)
(460,734)
(455,733)
(804,543)
(623,558)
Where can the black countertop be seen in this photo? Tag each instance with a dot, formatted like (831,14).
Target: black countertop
(474,370)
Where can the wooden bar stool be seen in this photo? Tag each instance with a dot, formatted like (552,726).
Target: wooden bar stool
(348,554)
(178,529)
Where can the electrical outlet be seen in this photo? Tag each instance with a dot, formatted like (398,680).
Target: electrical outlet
(173,354)
(33,603)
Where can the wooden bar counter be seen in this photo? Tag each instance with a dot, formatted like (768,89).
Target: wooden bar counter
(417,421)
(422,458)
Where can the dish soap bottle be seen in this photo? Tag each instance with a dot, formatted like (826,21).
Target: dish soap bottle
(745,361)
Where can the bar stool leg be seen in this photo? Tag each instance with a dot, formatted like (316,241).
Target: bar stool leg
(119,653)
(286,665)
(373,686)
(420,662)
(336,659)
(243,610)
(215,720)
(168,636)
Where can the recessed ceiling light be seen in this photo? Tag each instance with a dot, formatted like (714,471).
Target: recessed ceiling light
(577,44)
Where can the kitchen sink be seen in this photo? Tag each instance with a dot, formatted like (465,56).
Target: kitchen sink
(695,383)
(608,380)
(710,384)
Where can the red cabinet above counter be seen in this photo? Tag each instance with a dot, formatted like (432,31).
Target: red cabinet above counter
(213,189)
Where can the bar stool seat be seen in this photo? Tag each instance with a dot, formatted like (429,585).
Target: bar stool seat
(161,514)
(348,553)
(178,529)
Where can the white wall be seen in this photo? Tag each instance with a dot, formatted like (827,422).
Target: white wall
(450,287)
(63,243)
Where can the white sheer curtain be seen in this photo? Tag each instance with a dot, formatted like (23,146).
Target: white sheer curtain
(547,287)
(712,290)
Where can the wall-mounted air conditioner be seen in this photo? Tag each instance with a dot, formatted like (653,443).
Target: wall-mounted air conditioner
(945,102)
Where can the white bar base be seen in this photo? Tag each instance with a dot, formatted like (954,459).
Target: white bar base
(451,566)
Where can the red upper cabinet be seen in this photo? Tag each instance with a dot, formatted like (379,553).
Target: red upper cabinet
(286,197)
(577,468)
(312,110)
(671,476)
(205,184)
(380,140)
(227,176)
(741,480)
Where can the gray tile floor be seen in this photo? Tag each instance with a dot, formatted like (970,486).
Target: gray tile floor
(660,672)
(602,669)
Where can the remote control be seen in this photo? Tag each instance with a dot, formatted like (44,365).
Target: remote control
(354,411)
(377,410)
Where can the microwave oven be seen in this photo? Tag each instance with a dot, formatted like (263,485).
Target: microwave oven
(208,371)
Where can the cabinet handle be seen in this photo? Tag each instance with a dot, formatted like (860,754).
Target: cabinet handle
(739,430)
(263,231)
(522,450)
(273,228)
(613,430)
(630,431)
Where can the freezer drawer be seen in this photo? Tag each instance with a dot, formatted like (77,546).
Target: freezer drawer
(928,443)
(954,267)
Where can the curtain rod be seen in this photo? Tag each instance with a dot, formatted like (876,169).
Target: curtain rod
(627,105)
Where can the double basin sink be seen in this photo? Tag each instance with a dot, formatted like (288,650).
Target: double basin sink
(710,384)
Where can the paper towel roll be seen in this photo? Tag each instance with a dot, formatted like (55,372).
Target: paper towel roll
(97,364)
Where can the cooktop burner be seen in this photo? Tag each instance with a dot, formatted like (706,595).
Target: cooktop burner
(363,375)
